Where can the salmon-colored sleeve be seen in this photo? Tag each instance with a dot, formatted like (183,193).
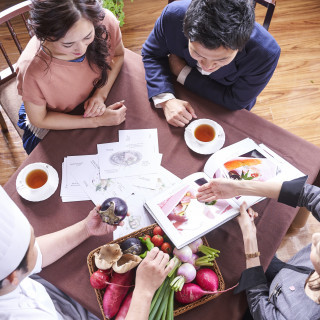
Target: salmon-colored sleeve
(113,28)
(28,67)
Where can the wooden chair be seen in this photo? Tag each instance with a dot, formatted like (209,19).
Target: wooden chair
(12,21)
(269,4)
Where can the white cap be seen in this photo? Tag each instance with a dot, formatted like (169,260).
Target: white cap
(15,235)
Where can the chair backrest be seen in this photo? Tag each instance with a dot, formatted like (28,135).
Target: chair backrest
(269,4)
(14,35)
(9,21)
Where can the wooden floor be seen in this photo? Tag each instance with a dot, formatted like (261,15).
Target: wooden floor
(291,100)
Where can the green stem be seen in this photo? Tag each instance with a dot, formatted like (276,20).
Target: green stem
(158,300)
(163,304)
(170,306)
(177,264)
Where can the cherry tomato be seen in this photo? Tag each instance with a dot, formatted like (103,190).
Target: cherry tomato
(158,230)
(146,236)
(157,240)
(166,247)
(254,175)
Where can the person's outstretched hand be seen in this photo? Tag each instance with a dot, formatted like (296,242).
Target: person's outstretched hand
(95,226)
(217,189)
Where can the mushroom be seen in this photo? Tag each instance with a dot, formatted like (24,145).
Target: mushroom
(127,262)
(107,256)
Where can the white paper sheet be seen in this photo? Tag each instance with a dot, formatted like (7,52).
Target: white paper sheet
(123,160)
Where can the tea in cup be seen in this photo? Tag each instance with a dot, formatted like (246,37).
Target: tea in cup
(204,131)
(36,178)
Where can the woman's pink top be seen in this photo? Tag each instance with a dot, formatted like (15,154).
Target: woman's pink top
(60,84)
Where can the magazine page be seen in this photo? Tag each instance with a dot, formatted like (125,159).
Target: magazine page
(182,217)
(246,160)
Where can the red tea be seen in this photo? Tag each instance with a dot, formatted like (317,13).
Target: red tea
(204,133)
(36,178)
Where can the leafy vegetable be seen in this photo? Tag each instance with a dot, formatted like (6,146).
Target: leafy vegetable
(244,176)
(213,202)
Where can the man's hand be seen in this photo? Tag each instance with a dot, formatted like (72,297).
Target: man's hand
(176,64)
(217,189)
(178,112)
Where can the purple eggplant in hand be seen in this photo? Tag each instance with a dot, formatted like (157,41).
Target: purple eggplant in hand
(113,210)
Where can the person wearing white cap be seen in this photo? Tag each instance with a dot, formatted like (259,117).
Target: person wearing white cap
(22,255)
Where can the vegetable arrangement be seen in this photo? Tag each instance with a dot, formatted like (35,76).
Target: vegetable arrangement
(186,283)
(177,286)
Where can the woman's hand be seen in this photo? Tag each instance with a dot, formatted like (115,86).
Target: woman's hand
(113,115)
(246,220)
(152,271)
(94,107)
(95,226)
(217,189)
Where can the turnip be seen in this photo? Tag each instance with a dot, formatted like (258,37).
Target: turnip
(185,274)
(116,291)
(183,254)
(207,279)
(194,246)
(193,259)
(121,315)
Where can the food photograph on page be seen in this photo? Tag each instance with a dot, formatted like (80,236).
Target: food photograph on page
(249,166)
(187,214)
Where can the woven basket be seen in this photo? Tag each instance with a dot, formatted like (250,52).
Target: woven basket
(178,308)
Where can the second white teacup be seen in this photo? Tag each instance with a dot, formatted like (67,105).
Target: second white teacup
(204,131)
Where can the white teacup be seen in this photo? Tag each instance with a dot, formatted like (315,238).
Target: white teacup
(35,177)
(204,131)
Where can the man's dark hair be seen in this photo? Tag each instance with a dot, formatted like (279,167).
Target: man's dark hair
(22,265)
(216,23)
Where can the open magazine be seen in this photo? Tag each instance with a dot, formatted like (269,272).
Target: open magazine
(184,219)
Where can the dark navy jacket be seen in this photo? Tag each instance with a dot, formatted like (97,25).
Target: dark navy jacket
(234,86)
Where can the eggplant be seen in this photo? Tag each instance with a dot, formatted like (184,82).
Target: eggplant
(131,245)
(113,210)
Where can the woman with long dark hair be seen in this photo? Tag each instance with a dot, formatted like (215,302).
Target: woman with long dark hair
(74,58)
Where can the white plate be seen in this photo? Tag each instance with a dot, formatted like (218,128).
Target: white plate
(208,148)
(42,193)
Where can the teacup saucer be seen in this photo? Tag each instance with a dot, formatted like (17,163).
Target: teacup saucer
(207,148)
(42,193)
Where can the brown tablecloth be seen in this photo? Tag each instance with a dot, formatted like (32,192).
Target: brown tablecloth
(70,273)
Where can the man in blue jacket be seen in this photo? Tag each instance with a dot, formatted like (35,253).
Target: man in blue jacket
(212,47)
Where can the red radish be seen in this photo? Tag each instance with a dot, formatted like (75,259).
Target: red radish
(207,279)
(124,307)
(116,291)
(190,292)
(99,279)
